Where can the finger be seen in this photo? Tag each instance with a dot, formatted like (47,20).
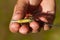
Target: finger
(48,7)
(35,26)
(14,27)
(24,29)
(19,10)
(17,14)
(49,21)
(46,27)
(43,19)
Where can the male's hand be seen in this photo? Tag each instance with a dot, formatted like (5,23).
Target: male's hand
(45,14)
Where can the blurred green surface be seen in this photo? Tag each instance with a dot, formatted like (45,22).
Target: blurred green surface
(6,9)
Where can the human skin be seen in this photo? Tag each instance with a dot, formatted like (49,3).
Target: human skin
(46,8)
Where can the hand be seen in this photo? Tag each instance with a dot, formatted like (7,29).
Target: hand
(42,11)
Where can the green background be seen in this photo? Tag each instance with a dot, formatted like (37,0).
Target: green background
(6,10)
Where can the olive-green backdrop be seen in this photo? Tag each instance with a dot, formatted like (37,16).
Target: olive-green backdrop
(6,10)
